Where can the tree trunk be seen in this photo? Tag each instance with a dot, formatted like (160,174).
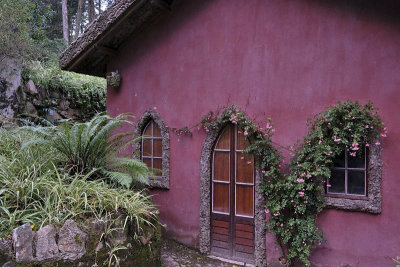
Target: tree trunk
(78,18)
(91,11)
(65,21)
(99,6)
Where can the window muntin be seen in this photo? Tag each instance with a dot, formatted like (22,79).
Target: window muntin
(349,175)
(151,152)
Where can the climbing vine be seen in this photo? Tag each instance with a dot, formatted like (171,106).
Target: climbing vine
(295,201)
(268,158)
(296,198)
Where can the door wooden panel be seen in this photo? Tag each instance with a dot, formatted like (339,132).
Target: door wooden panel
(232,207)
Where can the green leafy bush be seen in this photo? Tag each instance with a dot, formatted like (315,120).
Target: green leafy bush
(35,190)
(90,148)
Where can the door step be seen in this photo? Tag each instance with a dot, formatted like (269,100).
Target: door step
(238,263)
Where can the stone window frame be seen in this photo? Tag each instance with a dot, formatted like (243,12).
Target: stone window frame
(159,182)
(372,202)
(205,203)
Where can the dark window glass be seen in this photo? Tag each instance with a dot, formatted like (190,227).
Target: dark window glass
(337,182)
(356,182)
(348,175)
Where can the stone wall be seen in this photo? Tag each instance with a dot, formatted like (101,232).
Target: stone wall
(80,245)
(19,98)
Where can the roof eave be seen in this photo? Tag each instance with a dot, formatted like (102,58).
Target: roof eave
(90,52)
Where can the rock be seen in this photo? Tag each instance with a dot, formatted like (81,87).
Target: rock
(8,264)
(71,241)
(120,234)
(5,249)
(99,246)
(53,116)
(22,242)
(63,105)
(30,109)
(46,246)
(30,88)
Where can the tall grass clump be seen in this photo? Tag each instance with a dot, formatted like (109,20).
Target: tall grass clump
(40,183)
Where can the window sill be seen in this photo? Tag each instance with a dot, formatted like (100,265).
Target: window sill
(330,195)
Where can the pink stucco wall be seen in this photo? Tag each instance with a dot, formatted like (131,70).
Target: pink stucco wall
(281,59)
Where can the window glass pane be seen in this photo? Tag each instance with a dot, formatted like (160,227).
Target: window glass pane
(245,168)
(157,165)
(221,166)
(356,182)
(148,130)
(221,197)
(242,142)
(147,147)
(224,140)
(157,146)
(339,160)
(336,182)
(244,200)
(148,163)
(156,130)
(358,161)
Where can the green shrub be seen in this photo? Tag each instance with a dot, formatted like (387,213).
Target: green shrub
(33,190)
(90,148)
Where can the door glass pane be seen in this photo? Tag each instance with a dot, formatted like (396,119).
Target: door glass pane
(221,197)
(336,182)
(244,200)
(356,182)
(242,142)
(157,165)
(245,168)
(147,147)
(224,140)
(157,146)
(358,161)
(221,166)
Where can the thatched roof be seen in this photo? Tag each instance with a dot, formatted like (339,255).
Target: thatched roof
(90,52)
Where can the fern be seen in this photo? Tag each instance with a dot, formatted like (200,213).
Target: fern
(93,147)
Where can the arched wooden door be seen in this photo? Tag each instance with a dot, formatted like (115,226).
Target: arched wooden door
(232,197)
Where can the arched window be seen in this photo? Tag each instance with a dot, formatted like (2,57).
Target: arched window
(151,152)
(232,201)
(152,146)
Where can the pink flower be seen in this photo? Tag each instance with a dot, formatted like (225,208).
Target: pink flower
(301,194)
(319,142)
(245,133)
(383,135)
(349,129)
(353,154)
(329,153)
(309,176)
(268,126)
(366,126)
(276,213)
(281,224)
(336,139)
(377,143)
(249,162)
(239,132)
(241,157)
(291,201)
(305,202)
(266,211)
(263,171)
(300,180)
(155,108)
(328,185)
(367,145)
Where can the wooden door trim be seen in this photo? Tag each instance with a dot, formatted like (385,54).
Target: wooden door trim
(205,194)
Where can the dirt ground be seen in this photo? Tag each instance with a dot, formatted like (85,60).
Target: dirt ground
(174,254)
